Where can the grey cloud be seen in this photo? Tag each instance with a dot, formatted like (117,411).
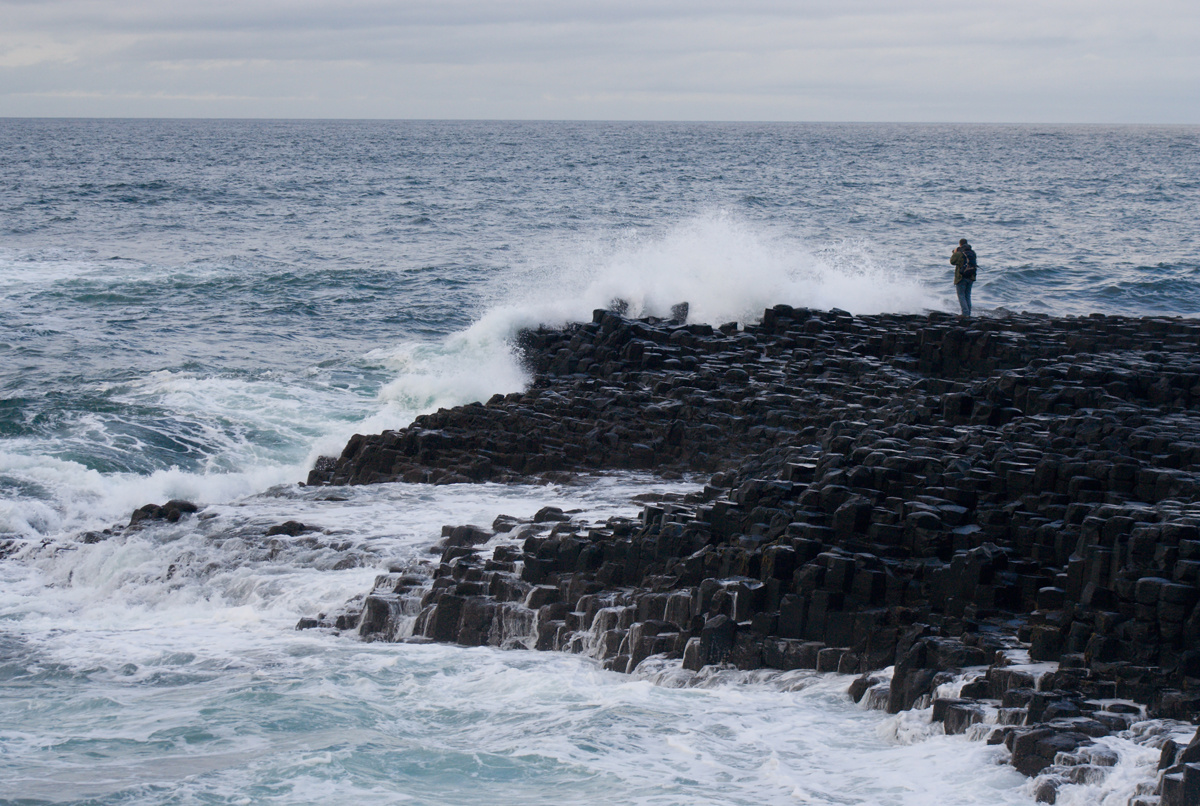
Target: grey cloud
(1018,60)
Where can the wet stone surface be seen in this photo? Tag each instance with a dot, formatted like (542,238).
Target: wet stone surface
(932,493)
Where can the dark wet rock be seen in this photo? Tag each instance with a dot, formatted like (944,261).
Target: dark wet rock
(1191,753)
(1046,790)
(342,620)
(1180,785)
(289,529)
(460,536)
(1034,750)
(551,515)
(505,523)
(956,715)
(861,685)
(923,492)
(170,512)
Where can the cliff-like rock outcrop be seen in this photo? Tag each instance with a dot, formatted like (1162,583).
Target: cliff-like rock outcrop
(959,499)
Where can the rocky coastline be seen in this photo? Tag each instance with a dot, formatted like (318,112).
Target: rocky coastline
(1003,511)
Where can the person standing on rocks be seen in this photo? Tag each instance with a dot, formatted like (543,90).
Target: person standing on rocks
(965,270)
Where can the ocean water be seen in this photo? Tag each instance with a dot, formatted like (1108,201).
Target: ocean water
(199,309)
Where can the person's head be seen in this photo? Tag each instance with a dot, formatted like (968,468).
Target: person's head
(962,242)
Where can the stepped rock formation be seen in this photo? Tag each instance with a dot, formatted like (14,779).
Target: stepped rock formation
(929,493)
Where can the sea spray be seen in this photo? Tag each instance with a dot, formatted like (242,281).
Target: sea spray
(470,366)
(725,267)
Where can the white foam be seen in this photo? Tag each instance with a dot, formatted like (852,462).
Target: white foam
(468,367)
(1138,751)
(77,497)
(245,436)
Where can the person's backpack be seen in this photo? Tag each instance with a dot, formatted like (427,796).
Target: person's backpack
(970,268)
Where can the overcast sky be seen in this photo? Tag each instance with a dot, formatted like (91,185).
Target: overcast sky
(1103,61)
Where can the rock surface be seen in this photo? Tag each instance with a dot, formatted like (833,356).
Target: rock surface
(932,493)
(171,512)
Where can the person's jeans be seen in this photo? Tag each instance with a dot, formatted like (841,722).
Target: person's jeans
(964,295)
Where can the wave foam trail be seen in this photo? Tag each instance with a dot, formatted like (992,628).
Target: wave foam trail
(725,269)
(170,435)
(74,497)
(20,271)
(216,439)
